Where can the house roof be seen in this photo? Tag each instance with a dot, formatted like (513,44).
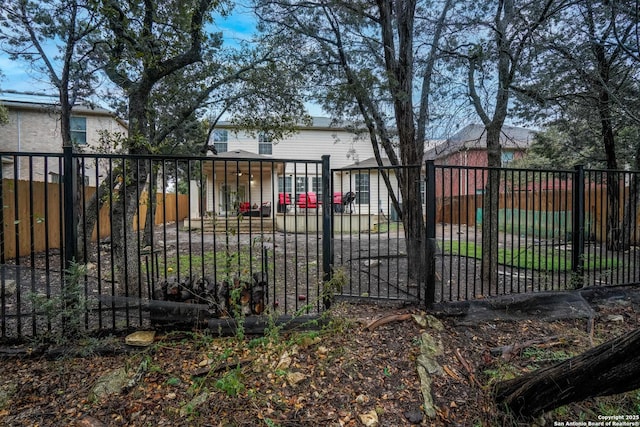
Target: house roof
(242,154)
(318,123)
(41,101)
(474,137)
(371,162)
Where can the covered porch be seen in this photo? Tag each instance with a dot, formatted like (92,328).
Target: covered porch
(237,183)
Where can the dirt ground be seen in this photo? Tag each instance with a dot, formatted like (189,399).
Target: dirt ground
(340,375)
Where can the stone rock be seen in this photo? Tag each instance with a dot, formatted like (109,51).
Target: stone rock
(414,417)
(427,366)
(110,383)
(429,346)
(9,287)
(194,403)
(140,338)
(361,398)
(615,318)
(322,350)
(6,394)
(370,419)
(284,362)
(89,421)
(425,388)
(428,321)
(293,378)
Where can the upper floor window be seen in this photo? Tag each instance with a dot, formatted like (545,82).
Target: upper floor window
(265,144)
(221,141)
(78,130)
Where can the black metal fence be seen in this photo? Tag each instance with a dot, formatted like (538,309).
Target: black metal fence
(556,230)
(160,239)
(176,239)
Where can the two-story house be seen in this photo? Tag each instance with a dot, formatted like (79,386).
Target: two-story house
(257,179)
(34,127)
(468,147)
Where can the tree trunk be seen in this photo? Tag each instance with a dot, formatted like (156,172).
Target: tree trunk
(608,141)
(631,207)
(614,231)
(490,209)
(413,222)
(152,205)
(125,243)
(610,368)
(630,212)
(89,218)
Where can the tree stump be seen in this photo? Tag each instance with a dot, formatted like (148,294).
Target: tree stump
(610,368)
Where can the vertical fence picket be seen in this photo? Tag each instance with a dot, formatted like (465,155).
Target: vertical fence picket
(552,230)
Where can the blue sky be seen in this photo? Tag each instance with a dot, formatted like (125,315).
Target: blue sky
(239,26)
(20,76)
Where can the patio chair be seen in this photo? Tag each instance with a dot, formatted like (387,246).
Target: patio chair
(284,200)
(307,200)
(348,200)
(337,202)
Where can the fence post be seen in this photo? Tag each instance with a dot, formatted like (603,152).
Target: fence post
(327,225)
(577,234)
(69,219)
(430,229)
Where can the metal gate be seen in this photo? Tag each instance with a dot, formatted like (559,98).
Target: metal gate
(369,245)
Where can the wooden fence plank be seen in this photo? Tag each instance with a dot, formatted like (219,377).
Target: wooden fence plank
(43,231)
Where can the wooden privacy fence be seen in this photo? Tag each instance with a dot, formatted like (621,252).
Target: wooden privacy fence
(541,212)
(32,212)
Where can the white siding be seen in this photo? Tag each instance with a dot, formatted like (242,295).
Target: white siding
(343,147)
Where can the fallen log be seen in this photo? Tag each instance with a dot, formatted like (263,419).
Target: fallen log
(610,368)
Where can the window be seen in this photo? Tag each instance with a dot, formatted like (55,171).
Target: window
(265,144)
(507,157)
(316,186)
(78,130)
(56,178)
(284,184)
(220,141)
(362,188)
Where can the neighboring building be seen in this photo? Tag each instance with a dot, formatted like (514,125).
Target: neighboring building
(34,127)
(468,147)
(256,181)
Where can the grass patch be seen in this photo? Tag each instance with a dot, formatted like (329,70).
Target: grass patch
(386,227)
(545,354)
(541,259)
(223,263)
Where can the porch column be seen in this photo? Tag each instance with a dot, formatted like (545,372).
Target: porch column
(194,200)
